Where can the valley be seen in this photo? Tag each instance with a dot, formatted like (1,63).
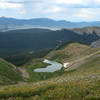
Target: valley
(82,76)
(64,61)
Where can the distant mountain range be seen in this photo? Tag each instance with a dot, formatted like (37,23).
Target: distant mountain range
(12,23)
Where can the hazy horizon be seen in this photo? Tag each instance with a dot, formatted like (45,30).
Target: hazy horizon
(47,18)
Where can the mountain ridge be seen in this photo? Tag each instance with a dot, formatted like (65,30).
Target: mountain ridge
(34,39)
(13,23)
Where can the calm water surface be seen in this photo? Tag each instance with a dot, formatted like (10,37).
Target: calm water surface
(54,66)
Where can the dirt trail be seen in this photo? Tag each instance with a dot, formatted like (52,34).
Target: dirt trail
(75,64)
(24,72)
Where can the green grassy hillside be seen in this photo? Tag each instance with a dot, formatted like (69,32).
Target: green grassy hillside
(82,83)
(70,51)
(9,73)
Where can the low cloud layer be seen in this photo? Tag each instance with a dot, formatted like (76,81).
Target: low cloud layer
(71,10)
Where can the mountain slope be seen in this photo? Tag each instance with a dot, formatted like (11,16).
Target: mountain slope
(70,51)
(35,39)
(9,73)
(87,30)
(96,44)
(90,30)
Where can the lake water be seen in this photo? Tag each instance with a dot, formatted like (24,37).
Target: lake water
(54,66)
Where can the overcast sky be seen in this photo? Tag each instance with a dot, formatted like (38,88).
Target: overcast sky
(70,10)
